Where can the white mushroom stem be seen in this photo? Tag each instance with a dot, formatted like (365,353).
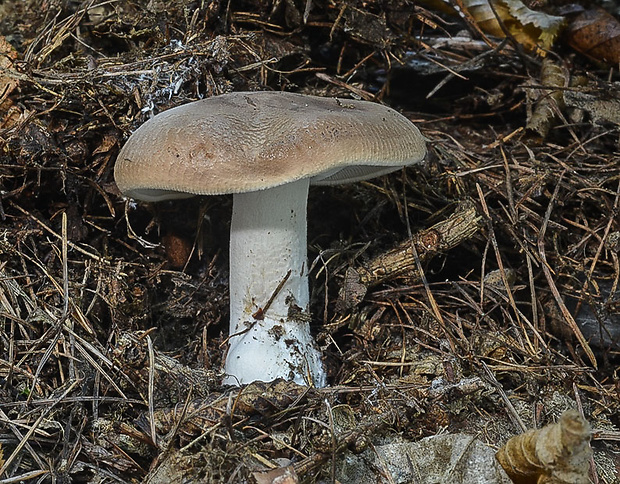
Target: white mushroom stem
(268,261)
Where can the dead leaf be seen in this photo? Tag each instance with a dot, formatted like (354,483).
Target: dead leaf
(265,398)
(7,56)
(596,34)
(455,458)
(9,113)
(12,115)
(108,141)
(257,398)
(555,454)
(281,475)
(534,30)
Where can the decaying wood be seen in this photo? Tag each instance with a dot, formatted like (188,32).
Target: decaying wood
(400,260)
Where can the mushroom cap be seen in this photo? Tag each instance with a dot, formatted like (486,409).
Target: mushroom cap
(249,141)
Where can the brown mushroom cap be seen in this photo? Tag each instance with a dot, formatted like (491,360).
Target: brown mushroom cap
(247,141)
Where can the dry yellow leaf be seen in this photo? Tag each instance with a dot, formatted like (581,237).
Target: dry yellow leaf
(535,30)
(555,454)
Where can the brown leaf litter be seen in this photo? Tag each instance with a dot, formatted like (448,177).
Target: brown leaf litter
(114,314)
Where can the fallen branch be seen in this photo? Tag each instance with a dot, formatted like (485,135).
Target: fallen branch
(400,260)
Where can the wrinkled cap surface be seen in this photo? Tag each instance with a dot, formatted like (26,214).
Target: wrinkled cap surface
(249,141)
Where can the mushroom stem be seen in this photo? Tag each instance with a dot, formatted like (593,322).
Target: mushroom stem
(268,262)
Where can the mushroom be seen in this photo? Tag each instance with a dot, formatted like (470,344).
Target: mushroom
(266,148)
